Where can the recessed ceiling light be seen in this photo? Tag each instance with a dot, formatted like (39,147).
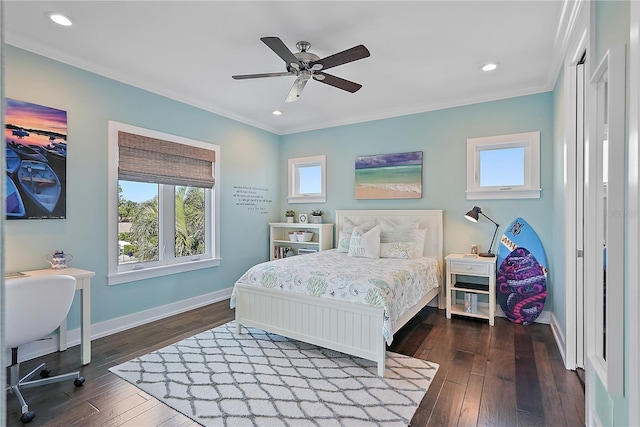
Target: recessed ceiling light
(60,19)
(489,66)
(276,112)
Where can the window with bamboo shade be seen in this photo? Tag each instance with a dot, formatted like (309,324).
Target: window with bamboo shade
(166,195)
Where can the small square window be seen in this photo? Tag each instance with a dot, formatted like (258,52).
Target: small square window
(310,179)
(307,180)
(504,167)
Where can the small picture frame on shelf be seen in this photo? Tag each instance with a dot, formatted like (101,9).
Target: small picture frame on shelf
(302,218)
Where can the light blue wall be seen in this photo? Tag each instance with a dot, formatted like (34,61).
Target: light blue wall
(441,136)
(248,156)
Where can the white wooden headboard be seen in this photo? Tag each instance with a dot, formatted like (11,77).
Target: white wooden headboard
(429,219)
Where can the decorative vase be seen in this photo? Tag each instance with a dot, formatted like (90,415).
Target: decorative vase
(289,219)
(58,260)
(316,219)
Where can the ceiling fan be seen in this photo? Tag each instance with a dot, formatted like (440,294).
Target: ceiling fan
(306,66)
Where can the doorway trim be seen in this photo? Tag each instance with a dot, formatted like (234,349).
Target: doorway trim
(581,41)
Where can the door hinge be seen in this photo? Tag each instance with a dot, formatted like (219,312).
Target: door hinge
(580,253)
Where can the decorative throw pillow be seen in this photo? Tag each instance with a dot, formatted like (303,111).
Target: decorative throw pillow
(421,235)
(393,233)
(365,225)
(401,250)
(405,250)
(365,245)
(343,241)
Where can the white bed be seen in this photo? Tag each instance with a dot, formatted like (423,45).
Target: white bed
(348,327)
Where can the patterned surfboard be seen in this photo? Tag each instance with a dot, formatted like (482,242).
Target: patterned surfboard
(529,267)
(520,234)
(521,286)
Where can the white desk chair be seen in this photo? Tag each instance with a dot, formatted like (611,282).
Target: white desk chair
(35,307)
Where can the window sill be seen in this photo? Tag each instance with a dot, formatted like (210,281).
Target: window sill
(307,199)
(504,194)
(164,270)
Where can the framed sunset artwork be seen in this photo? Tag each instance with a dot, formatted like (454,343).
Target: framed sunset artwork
(36,161)
(389,176)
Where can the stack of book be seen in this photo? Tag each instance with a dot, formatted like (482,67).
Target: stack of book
(282,252)
(470,302)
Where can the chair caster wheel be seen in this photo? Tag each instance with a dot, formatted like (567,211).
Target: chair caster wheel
(27,417)
(45,373)
(78,381)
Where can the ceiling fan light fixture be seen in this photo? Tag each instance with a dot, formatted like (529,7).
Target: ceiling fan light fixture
(490,66)
(306,66)
(60,19)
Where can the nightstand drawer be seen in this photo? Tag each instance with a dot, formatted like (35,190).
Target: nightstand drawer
(461,267)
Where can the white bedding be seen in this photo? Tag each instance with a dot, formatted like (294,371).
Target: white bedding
(394,284)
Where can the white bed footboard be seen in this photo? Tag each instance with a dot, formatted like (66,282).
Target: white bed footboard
(353,329)
(346,327)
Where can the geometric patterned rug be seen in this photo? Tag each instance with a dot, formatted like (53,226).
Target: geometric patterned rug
(219,378)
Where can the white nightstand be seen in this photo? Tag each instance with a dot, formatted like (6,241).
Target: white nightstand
(471,265)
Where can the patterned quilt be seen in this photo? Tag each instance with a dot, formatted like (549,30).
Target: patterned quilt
(394,284)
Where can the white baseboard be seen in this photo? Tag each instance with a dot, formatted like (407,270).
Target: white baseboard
(112,326)
(560,339)
(123,323)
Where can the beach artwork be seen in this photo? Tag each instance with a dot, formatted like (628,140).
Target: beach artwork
(389,176)
(36,161)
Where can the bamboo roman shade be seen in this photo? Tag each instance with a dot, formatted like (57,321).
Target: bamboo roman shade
(146,159)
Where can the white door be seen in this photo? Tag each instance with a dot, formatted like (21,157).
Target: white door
(574,163)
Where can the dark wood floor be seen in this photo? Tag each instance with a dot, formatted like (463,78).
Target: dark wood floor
(506,375)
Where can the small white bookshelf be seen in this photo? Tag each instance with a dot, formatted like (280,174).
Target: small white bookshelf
(279,237)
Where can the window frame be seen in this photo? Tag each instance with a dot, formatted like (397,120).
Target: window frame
(294,165)
(118,274)
(530,141)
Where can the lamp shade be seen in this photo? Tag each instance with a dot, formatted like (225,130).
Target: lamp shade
(473,214)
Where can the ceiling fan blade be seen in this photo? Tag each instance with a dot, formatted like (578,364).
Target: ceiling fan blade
(276,45)
(344,57)
(257,76)
(338,82)
(296,89)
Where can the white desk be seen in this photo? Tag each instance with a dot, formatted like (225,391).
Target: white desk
(83,284)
